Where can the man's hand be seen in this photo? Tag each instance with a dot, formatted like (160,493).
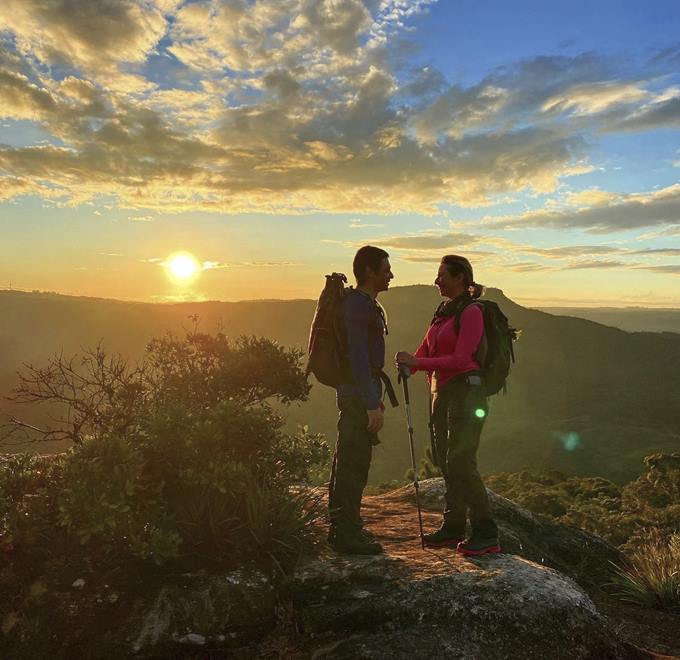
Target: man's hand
(375,420)
(403,357)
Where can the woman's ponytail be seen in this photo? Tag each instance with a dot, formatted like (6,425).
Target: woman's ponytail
(476,290)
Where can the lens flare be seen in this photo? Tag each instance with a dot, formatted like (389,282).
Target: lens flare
(480,413)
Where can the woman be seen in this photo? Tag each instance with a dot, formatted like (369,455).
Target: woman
(459,407)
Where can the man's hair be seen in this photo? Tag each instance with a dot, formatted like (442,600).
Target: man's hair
(367,256)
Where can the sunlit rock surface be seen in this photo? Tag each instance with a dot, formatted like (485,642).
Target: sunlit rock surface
(410,603)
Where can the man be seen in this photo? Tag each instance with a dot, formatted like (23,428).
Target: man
(359,402)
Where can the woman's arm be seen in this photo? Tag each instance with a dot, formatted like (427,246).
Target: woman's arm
(409,360)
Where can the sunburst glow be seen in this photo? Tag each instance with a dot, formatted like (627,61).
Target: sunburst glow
(182,267)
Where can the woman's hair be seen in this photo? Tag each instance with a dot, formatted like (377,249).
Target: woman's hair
(457,265)
(367,256)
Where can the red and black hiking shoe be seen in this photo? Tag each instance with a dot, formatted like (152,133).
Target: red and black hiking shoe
(479,546)
(444,537)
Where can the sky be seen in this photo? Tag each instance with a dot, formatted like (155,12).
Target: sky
(270,139)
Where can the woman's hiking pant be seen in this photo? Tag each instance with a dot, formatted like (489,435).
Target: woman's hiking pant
(351,462)
(458,414)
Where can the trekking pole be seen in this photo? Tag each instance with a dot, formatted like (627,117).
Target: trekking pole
(404,373)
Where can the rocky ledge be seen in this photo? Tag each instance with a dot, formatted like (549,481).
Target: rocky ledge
(536,600)
(410,603)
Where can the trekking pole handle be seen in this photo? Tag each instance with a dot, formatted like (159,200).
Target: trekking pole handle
(404,373)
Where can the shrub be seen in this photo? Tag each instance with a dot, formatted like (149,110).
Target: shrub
(28,500)
(181,457)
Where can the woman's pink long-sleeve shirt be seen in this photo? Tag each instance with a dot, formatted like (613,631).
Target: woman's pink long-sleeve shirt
(448,354)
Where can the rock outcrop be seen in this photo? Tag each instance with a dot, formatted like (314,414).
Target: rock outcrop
(410,603)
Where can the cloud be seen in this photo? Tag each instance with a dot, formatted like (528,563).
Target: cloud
(217,265)
(94,35)
(141,218)
(664,113)
(426,242)
(528,267)
(565,251)
(21,99)
(625,212)
(358,224)
(292,106)
(595,97)
(661,252)
(581,265)
(672,269)
(591,197)
(435,259)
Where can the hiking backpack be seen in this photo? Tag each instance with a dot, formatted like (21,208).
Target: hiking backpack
(495,353)
(326,347)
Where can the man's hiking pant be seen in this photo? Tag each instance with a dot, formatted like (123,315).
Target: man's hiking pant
(458,414)
(351,462)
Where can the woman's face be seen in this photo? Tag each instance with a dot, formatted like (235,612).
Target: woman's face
(449,285)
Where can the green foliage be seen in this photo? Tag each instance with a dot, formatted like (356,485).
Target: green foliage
(651,578)
(427,469)
(620,514)
(28,503)
(195,465)
(641,517)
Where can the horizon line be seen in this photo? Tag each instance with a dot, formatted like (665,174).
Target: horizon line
(520,300)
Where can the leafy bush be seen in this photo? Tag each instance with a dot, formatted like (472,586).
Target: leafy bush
(28,500)
(181,457)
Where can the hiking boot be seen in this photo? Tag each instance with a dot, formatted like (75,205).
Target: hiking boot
(478,545)
(367,534)
(354,544)
(443,537)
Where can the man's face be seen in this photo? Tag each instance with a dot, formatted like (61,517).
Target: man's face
(383,275)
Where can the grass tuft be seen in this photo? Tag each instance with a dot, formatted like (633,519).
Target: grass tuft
(651,577)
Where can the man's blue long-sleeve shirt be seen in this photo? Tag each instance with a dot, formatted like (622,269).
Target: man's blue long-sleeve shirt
(365,332)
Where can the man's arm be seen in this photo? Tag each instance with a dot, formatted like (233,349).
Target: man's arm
(358,315)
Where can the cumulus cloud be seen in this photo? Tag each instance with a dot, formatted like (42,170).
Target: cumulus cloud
(292,106)
(93,35)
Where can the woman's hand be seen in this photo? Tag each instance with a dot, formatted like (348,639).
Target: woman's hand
(403,357)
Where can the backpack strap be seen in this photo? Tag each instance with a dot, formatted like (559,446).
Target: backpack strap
(461,306)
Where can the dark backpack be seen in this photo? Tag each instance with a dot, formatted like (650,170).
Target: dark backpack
(495,353)
(327,344)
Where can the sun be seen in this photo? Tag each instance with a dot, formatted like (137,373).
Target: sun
(182,267)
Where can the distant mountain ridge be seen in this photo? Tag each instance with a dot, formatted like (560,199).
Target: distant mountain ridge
(583,397)
(631,319)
